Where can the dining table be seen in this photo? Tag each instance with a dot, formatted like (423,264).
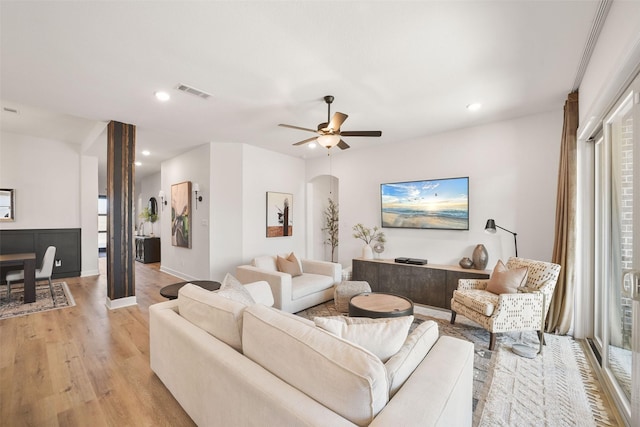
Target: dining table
(27,261)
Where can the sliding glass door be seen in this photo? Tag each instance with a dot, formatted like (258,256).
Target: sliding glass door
(617,256)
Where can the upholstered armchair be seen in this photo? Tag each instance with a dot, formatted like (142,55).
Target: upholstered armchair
(524,310)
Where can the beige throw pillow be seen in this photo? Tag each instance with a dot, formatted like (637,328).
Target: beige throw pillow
(289,265)
(504,281)
(234,290)
(382,337)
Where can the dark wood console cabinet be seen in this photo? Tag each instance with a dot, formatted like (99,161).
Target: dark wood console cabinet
(147,249)
(423,284)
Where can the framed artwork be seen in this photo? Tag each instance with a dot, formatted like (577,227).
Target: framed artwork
(7,204)
(279,214)
(181,214)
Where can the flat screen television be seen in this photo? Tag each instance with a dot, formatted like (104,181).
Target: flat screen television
(441,204)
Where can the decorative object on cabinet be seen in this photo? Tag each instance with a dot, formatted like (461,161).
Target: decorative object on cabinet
(491,228)
(441,204)
(466,263)
(279,214)
(181,214)
(148,216)
(368,236)
(480,257)
(7,204)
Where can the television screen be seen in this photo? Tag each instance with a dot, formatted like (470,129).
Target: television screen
(432,204)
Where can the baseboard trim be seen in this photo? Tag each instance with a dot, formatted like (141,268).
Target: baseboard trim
(120,302)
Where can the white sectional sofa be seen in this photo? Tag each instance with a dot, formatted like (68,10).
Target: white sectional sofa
(230,364)
(294,293)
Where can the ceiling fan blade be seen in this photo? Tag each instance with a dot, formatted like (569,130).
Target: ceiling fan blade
(361,133)
(306,140)
(337,120)
(343,145)
(298,127)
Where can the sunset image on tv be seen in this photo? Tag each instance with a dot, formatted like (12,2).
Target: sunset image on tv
(433,204)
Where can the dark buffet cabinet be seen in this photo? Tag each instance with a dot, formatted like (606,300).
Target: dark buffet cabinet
(147,249)
(423,284)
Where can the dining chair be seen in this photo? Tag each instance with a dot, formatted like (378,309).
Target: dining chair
(44,272)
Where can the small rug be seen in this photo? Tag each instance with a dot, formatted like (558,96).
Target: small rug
(14,306)
(558,388)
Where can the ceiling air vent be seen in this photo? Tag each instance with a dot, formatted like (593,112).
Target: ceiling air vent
(193,91)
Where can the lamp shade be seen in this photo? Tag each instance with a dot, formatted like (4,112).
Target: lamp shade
(196,187)
(328,141)
(490,227)
(161,194)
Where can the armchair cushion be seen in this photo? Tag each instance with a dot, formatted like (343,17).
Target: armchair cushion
(478,300)
(289,265)
(505,281)
(382,337)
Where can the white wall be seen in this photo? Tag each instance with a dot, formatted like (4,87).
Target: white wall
(45,174)
(187,263)
(89,215)
(512,168)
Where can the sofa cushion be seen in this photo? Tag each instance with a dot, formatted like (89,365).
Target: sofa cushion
(402,364)
(342,376)
(231,288)
(478,300)
(265,262)
(309,283)
(382,337)
(219,316)
(289,265)
(504,281)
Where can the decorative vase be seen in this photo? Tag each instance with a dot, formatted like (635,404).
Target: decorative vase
(367,252)
(480,257)
(466,263)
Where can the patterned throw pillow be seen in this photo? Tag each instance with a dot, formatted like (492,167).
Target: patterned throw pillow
(234,290)
(504,281)
(289,265)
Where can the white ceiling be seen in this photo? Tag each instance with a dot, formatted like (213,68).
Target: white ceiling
(405,68)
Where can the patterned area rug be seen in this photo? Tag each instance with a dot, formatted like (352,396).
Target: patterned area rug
(14,306)
(558,388)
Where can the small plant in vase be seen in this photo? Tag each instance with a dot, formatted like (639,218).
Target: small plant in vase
(368,236)
(148,216)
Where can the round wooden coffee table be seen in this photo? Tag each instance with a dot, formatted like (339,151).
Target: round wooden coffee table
(171,291)
(379,304)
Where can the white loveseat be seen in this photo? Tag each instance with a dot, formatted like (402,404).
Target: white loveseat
(265,367)
(292,294)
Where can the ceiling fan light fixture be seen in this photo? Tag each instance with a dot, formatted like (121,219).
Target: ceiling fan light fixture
(328,141)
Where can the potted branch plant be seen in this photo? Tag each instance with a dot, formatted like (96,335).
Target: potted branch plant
(148,216)
(331,217)
(368,236)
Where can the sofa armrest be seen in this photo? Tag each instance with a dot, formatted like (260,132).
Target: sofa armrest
(438,393)
(325,268)
(280,283)
(464,284)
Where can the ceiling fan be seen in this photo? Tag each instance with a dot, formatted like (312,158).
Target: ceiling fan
(329,133)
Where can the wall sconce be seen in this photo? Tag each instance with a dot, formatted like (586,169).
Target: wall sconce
(491,228)
(163,202)
(196,189)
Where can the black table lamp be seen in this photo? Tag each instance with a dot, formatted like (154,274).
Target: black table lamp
(491,228)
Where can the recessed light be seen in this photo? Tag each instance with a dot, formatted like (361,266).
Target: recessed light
(146,152)
(162,96)
(474,106)
(138,163)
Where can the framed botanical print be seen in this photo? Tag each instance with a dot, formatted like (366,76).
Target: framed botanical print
(181,214)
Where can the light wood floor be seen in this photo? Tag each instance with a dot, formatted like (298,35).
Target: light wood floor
(86,365)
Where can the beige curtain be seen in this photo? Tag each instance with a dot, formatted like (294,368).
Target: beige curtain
(564,245)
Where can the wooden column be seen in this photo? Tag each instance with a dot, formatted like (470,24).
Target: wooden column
(121,140)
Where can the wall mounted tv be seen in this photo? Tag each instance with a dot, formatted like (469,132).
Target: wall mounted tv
(441,204)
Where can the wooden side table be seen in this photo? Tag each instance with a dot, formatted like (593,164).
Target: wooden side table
(379,304)
(171,291)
